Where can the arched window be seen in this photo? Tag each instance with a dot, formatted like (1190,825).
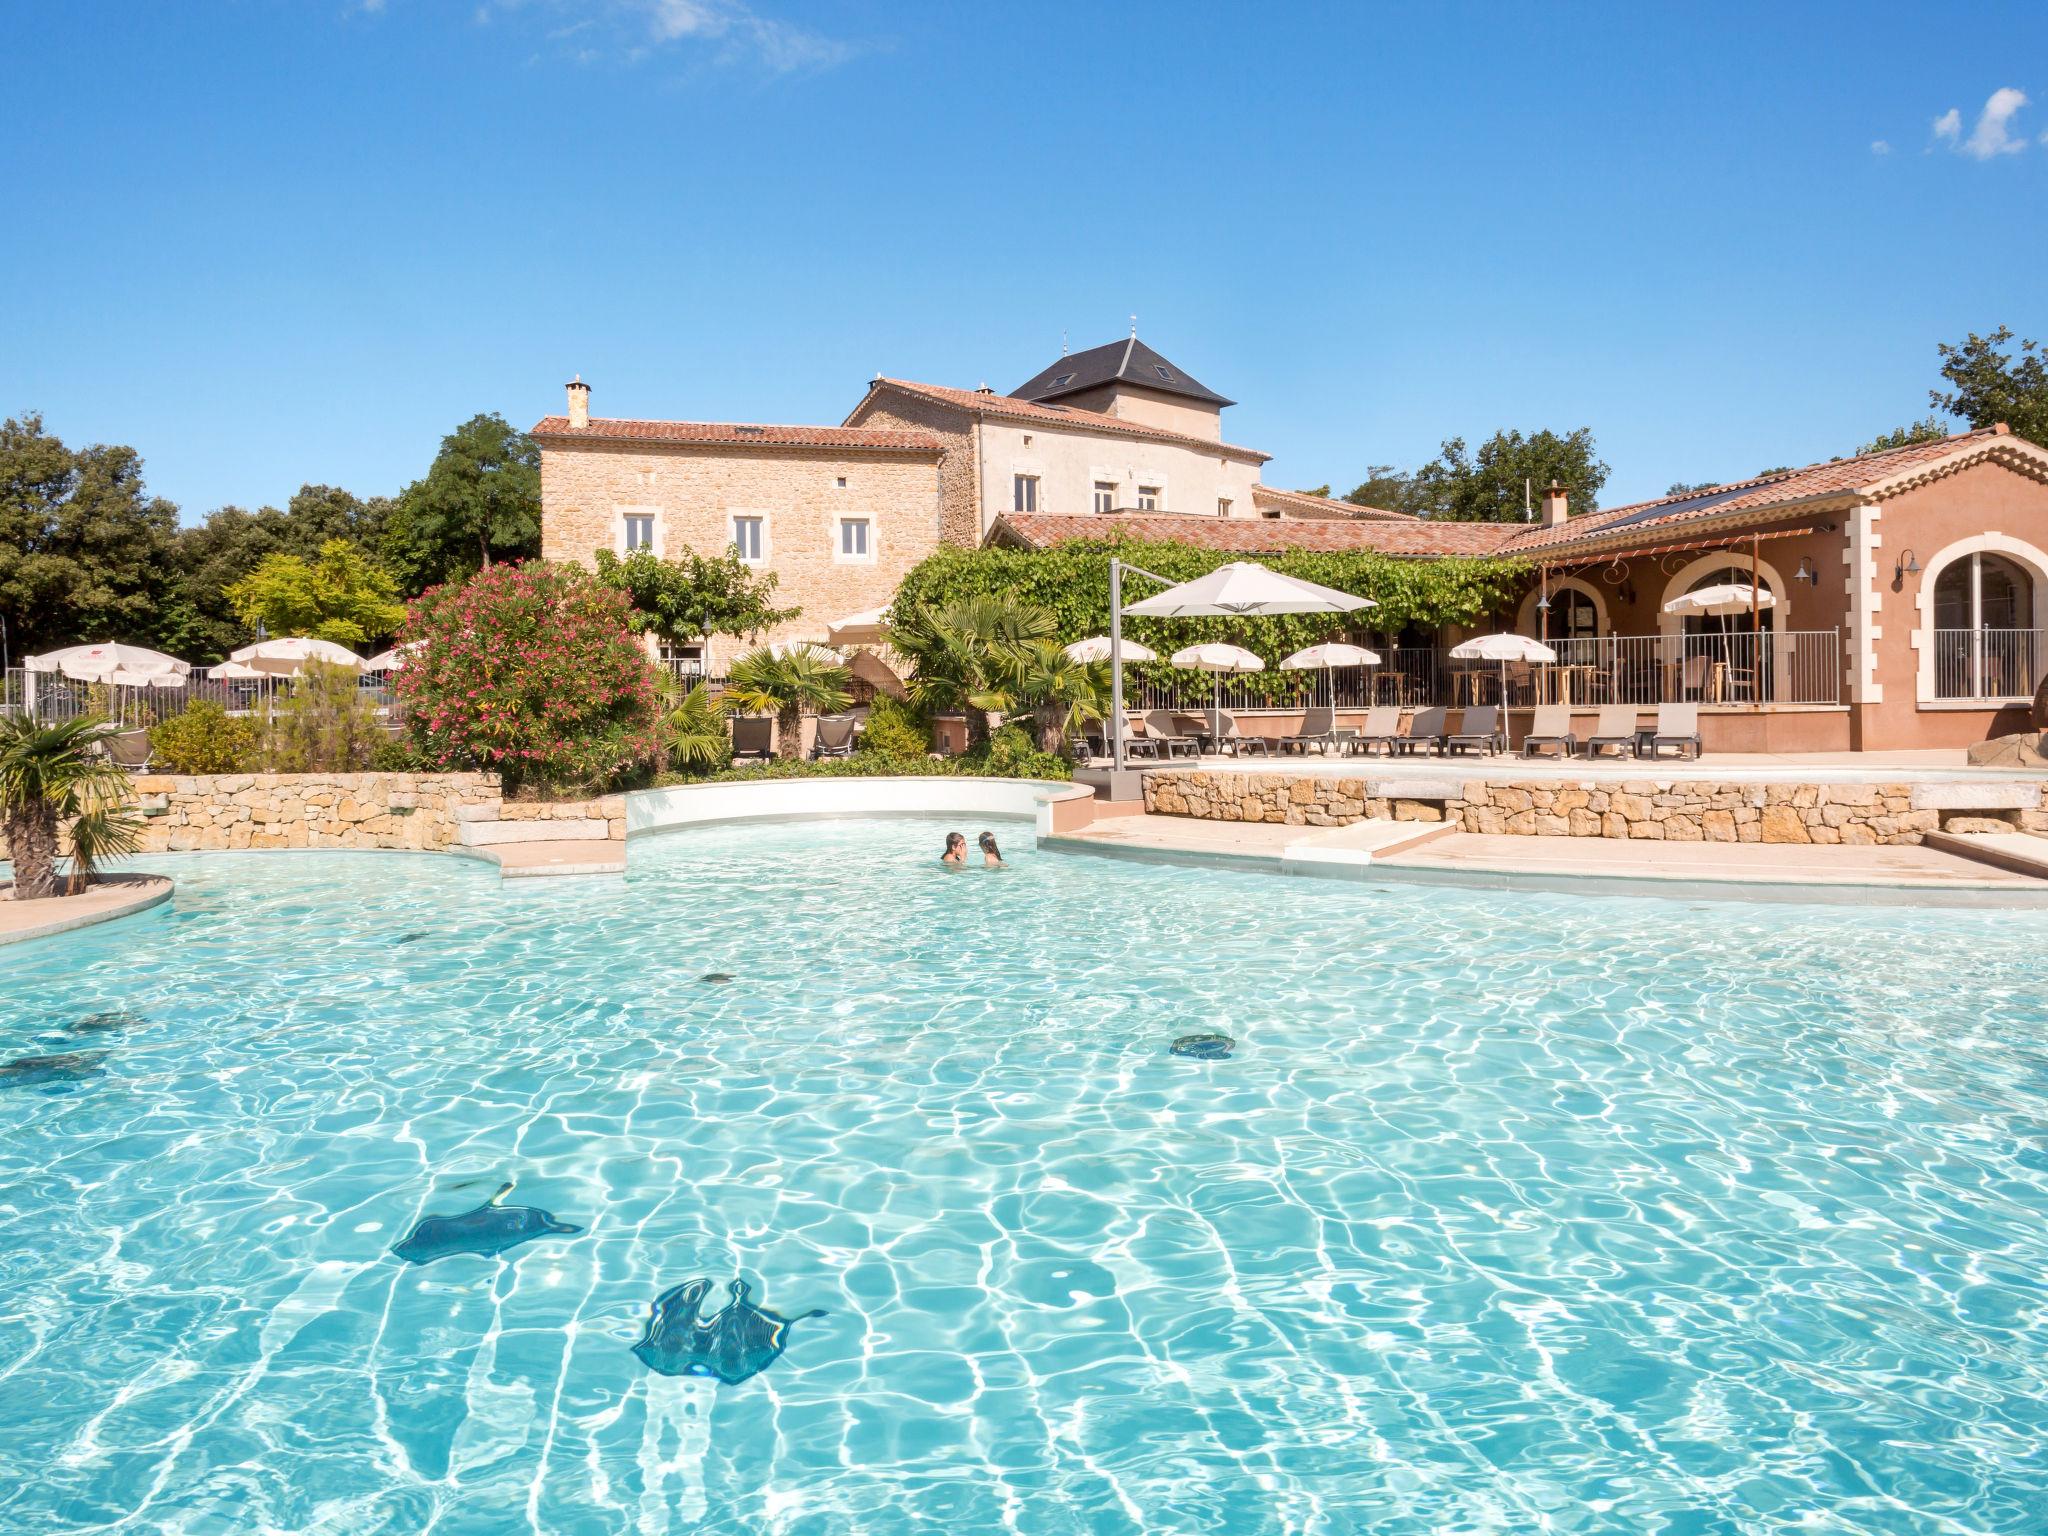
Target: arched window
(1983,628)
(1573,616)
(1728,623)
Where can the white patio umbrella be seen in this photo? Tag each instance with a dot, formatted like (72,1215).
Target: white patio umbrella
(235,672)
(126,677)
(287,655)
(1730,598)
(1220,660)
(781,648)
(1503,649)
(1096,648)
(868,627)
(1245,589)
(1329,656)
(101,663)
(387,661)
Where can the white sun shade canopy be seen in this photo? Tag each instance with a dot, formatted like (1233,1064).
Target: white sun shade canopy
(782,648)
(235,672)
(1332,655)
(1218,658)
(868,627)
(386,661)
(287,655)
(1503,648)
(1244,589)
(1096,648)
(1734,597)
(129,666)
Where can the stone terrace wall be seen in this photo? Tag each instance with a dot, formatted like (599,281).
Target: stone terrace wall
(1657,809)
(307,810)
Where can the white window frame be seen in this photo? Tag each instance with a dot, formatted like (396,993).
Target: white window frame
(839,523)
(1018,479)
(1100,486)
(1156,492)
(2033,563)
(655,541)
(1224,504)
(732,522)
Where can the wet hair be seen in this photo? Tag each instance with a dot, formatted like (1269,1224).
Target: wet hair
(988,844)
(955,840)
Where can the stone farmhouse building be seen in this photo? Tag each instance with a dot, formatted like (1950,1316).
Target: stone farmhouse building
(1905,593)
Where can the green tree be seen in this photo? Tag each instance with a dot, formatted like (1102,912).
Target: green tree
(1489,486)
(1928,430)
(84,548)
(51,774)
(1061,693)
(797,681)
(691,728)
(690,597)
(1388,488)
(1692,487)
(960,652)
(343,596)
(478,503)
(1994,385)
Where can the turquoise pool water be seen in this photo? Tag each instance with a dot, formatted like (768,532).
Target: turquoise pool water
(1504,1213)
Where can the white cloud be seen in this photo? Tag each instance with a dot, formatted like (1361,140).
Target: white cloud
(1880,147)
(726,32)
(1992,136)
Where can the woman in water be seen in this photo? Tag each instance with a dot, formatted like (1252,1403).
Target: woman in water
(991,855)
(955,856)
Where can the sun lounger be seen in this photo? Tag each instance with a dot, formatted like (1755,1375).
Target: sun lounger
(1425,731)
(1165,734)
(1478,731)
(1678,725)
(1616,727)
(1382,729)
(129,750)
(1318,729)
(1552,727)
(753,736)
(1230,738)
(835,736)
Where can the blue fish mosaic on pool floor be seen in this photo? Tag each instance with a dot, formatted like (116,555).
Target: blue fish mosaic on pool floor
(61,1067)
(1204,1047)
(487,1231)
(737,1341)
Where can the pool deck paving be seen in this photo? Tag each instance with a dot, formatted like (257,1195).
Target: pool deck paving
(1437,851)
(520,861)
(109,897)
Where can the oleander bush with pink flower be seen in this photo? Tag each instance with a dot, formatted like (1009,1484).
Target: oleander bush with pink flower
(531,671)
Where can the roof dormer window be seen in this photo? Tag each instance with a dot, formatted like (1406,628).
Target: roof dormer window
(1164,373)
(1061,382)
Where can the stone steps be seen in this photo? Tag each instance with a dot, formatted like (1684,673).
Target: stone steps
(2019,853)
(486,834)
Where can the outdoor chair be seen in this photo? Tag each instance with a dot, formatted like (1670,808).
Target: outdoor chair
(1552,727)
(1318,729)
(753,736)
(1692,677)
(1382,729)
(1163,731)
(1425,731)
(1478,730)
(1678,725)
(129,750)
(1616,727)
(1229,737)
(835,736)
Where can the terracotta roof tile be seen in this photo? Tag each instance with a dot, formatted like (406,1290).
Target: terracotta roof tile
(736,435)
(1868,475)
(1254,535)
(1301,504)
(1010,408)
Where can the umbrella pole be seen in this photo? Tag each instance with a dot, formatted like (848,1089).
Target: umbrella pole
(1116,664)
(1756,634)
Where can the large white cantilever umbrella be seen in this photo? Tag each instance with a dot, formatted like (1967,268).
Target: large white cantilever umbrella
(1503,649)
(129,666)
(1096,648)
(287,655)
(1222,660)
(1328,657)
(1241,589)
(1729,598)
(868,627)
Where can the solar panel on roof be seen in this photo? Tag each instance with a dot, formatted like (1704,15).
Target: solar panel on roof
(1684,504)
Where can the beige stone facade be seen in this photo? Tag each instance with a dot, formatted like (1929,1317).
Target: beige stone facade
(801,497)
(1642,809)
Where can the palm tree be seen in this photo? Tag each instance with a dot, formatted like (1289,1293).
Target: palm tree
(692,730)
(49,775)
(961,654)
(1062,694)
(800,680)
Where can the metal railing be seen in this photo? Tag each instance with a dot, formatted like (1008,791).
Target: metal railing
(1988,663)
(1787,667)
(52,696)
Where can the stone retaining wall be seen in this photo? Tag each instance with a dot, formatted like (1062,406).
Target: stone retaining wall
(1678,810)
(307,810)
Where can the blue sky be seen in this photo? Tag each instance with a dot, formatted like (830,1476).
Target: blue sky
(269,243)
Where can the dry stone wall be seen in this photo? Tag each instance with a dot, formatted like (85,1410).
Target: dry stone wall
(1655,809)
(307,810)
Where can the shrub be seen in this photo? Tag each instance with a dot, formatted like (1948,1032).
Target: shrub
(395,757)
(894,732)
(324,724)
(204,739)
(1010,753)
(530,671)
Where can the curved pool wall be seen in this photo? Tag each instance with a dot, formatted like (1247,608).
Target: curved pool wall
(1046,802)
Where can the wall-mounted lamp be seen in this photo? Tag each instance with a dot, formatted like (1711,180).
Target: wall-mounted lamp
(1806,572)
(1907,566)
(1543,603)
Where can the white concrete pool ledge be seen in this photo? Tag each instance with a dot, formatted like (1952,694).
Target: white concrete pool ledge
(1050,804)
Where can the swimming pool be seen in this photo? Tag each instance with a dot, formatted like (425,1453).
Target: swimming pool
(1503,1213)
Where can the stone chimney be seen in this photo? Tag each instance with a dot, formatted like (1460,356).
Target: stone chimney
(1555,509)
(579,402)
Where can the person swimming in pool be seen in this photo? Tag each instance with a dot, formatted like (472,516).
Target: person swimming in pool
(991,855)
(955,856)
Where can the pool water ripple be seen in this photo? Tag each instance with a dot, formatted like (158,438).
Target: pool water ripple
(1502,1213)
